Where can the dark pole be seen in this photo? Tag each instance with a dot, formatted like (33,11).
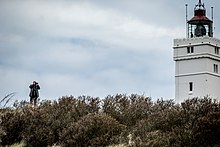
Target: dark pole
(212,11)
(187,27)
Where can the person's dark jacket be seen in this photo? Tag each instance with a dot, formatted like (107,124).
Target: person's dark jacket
(34,90)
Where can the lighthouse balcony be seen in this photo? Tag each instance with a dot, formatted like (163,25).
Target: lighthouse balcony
(196,41)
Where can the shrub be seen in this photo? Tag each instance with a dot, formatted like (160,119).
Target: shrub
(12,124)
(92,130)
(88,121)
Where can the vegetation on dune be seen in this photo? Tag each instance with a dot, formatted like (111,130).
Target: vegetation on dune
(133,120)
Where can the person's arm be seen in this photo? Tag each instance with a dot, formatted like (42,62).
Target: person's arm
(31,86)
(38,87)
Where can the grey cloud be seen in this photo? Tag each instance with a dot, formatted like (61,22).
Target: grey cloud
(92,48)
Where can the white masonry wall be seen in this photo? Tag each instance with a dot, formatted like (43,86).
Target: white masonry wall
(196,67)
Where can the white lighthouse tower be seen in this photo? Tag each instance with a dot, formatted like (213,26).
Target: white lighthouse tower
(197,59)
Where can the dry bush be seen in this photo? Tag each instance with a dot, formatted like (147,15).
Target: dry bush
(88,121)
(127,109)
(92,130)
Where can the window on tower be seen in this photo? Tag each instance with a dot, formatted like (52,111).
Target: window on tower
(216,50)
(190,49)
(190,86)
(215,68)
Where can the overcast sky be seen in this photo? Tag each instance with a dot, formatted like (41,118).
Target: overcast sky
(92,47)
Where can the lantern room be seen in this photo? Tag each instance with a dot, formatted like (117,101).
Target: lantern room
(200,25)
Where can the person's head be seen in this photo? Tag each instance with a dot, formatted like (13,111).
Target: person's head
(34,82)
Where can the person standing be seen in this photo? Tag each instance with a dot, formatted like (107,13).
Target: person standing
(34,94)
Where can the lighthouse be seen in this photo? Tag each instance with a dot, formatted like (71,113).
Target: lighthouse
(197,59)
